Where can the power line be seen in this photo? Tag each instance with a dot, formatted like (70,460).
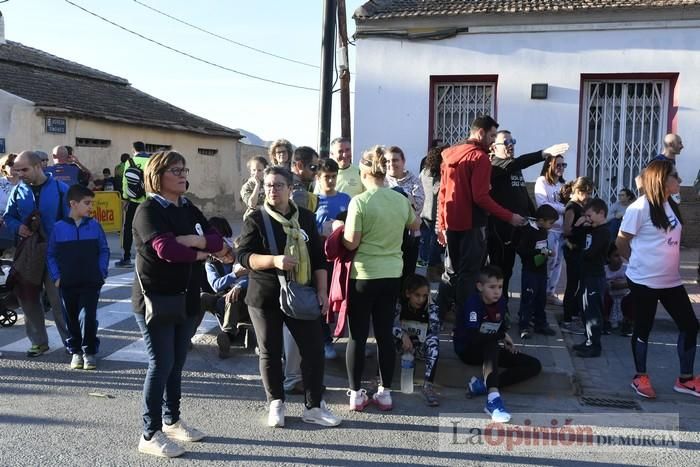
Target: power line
(225,38)
(202,60)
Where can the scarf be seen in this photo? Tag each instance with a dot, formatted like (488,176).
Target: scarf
(295,244)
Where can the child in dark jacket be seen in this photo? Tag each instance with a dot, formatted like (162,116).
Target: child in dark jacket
(593,282)
(534,252)
(478,334)
(78,260)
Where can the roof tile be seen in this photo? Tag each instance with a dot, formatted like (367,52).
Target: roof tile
(67,87)
(385,9)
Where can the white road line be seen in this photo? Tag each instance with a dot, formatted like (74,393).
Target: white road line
(136,351)
(108,314)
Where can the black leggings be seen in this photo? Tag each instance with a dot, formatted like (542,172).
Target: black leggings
(573,278)
(375,299)
(309,338)
(676,302)
(517,367)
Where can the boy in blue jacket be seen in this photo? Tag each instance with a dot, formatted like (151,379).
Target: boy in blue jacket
(480,338)
(78,259)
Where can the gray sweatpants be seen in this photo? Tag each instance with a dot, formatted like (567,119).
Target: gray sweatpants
(34,314)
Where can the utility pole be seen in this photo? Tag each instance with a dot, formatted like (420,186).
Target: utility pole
(344,71)
(327,57)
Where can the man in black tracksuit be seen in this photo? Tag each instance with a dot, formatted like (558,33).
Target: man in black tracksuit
(508,189)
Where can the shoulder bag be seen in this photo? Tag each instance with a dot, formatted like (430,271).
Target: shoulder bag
(296,301)
(163,309)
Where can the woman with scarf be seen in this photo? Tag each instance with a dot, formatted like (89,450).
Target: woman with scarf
(300,256)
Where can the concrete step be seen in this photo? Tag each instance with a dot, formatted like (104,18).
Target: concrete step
(557,377)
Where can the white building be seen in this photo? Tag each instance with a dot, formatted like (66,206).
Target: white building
(617,74)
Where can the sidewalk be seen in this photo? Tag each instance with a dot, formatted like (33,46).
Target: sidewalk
(606,377)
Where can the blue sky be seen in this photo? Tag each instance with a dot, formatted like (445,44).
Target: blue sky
(290,28)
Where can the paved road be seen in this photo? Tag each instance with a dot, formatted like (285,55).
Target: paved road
(47,416)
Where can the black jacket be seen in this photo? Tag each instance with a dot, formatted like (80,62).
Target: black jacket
(508,185)
(263,286)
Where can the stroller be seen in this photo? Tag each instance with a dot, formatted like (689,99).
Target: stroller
(8,316)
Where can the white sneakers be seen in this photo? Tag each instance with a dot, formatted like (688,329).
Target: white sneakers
(76,361)
(181,432)
(275,418)
(358,400)
(162,443)
(318,415)
(383,399)
(159,445)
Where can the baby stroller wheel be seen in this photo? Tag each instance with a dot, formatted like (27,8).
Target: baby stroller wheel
(8,318)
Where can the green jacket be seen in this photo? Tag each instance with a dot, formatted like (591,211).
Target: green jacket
(140,159)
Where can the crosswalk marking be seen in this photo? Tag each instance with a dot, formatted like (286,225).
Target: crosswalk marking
(111,312)
(136,351)
(107,314)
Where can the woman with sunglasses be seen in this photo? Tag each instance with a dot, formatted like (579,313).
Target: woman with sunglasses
(173,239)
(650,237)
(547,188)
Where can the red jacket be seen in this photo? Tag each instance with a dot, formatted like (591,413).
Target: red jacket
(464,201)
(340,279)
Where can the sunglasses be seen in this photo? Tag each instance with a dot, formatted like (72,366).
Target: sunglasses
(508,142)
(562,166)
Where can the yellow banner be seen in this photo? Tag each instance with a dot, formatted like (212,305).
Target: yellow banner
(107,210)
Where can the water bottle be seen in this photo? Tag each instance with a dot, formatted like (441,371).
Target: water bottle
(408,365)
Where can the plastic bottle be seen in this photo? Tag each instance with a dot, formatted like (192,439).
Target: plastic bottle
(408,366)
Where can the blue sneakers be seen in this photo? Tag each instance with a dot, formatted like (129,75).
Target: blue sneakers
(476,387)
(497,410)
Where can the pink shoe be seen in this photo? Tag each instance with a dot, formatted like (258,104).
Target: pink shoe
(358,400)
(383,399)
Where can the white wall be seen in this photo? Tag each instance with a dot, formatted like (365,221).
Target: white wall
(393,84)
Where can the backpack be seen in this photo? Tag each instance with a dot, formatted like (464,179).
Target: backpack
(135,187)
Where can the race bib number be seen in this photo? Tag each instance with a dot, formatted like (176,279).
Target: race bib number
(415,328)
(487,327)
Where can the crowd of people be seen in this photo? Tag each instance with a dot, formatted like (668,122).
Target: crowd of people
(329,249)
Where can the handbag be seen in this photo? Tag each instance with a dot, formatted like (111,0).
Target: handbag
(296,300)
(163,309)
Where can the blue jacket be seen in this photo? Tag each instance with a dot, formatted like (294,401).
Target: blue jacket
(78,254)
(53,204)
(221,277)
(468,322)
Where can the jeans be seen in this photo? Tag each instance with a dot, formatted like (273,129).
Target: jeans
(676,302)
(591,296)
(167,347)
(430,249)
(34,323)
(373,299)
(555,240)
(533,297)
(307,335)
(81,319)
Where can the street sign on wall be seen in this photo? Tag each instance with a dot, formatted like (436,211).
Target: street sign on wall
(55,125)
